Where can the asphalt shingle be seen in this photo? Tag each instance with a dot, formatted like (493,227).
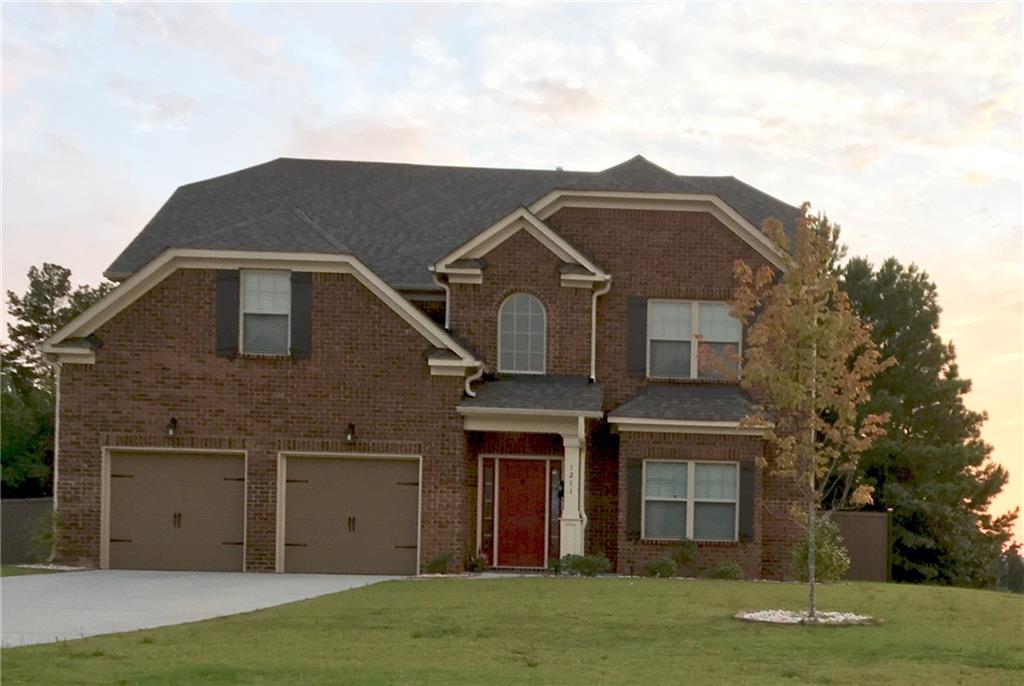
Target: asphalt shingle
(540,392)
(693,402)
(397,218)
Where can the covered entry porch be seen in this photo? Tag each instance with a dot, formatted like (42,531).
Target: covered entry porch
(528,436)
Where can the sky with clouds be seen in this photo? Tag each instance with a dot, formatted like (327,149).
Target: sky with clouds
(903,122)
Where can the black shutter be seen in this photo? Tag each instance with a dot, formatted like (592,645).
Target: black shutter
(746,501)
(636,347)
(634,497)
(302,301)
(227,312)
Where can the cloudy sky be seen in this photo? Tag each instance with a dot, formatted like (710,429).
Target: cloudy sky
(902,122)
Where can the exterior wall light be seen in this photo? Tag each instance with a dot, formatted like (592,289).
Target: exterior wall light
(172,427)
(350,433)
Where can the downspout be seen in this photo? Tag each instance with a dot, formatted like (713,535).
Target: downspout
(56,432)
(593,327)
(475,376)
(581,431)
(447,300)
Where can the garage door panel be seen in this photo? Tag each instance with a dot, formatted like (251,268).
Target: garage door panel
(171,557)
(355,516)
(177,511)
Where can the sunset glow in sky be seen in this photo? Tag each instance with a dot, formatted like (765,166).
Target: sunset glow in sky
(903,123)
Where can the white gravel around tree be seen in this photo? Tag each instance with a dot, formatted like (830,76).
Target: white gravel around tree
(792,617)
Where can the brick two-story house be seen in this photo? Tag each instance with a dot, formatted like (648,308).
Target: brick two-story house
(317,366)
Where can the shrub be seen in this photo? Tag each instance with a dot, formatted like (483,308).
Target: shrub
(730,569)
(585,565)
(439,565)
(686,558)
(555,566)
(43,533)
(476,564)
(664,568)
(831,559)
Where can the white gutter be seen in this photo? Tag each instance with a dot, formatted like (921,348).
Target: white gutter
(593,326)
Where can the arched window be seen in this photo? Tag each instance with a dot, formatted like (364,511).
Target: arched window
(521,335)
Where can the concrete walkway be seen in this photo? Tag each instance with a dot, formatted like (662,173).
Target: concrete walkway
(41,608)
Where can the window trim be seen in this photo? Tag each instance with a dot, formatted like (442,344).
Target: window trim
(242,312)
(544,332)
(690,500)
(695,340)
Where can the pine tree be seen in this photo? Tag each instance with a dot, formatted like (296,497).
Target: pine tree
(931,465)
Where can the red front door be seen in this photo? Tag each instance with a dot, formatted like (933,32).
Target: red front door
(522,499)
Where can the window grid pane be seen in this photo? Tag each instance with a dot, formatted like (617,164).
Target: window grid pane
(716,324)
(714,482)
(521,334)
(666,480)
(670,321)
(665,519)
(266,292)
(714,521)
(266,334)
(670,359)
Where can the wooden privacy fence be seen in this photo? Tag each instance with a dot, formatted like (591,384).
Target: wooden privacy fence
(18,517)
(868,537)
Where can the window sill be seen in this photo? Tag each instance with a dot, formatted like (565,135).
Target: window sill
(265,356)
(676,541)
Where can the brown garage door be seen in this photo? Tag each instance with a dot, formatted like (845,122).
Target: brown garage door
(177,511)
(351,516)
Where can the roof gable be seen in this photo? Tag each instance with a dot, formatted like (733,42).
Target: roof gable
(462,258)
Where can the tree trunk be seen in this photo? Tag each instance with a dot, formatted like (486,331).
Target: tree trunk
(811,545)
(812,491)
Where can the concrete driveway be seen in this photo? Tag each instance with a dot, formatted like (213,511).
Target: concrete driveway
(41,608)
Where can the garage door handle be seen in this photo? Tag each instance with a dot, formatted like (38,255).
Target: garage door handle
(176,520)
(406,547)
(351,523)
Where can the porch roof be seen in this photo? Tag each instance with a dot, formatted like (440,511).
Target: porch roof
(699,402)
(544,392)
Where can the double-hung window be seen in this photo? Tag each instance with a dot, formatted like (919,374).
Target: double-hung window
(695,500)
(676,329)
(266,312)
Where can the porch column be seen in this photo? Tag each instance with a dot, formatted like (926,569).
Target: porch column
(571,523)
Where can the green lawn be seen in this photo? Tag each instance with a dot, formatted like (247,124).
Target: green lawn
(566,631)
(14,570)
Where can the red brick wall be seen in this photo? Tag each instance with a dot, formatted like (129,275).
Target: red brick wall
(522,264)
(368,367)
(655,254)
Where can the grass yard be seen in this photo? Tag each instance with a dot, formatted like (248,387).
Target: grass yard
(14,570)
(566,631)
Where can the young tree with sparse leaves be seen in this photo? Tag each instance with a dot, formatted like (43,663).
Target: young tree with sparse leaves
(808,362)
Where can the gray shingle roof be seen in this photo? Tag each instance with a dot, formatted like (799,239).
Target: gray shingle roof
(694,402)
(397,218)
(540,392)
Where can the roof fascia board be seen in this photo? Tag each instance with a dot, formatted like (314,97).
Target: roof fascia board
(184,258)
(527,411)
(496,234)
(650,425)
(556,200)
